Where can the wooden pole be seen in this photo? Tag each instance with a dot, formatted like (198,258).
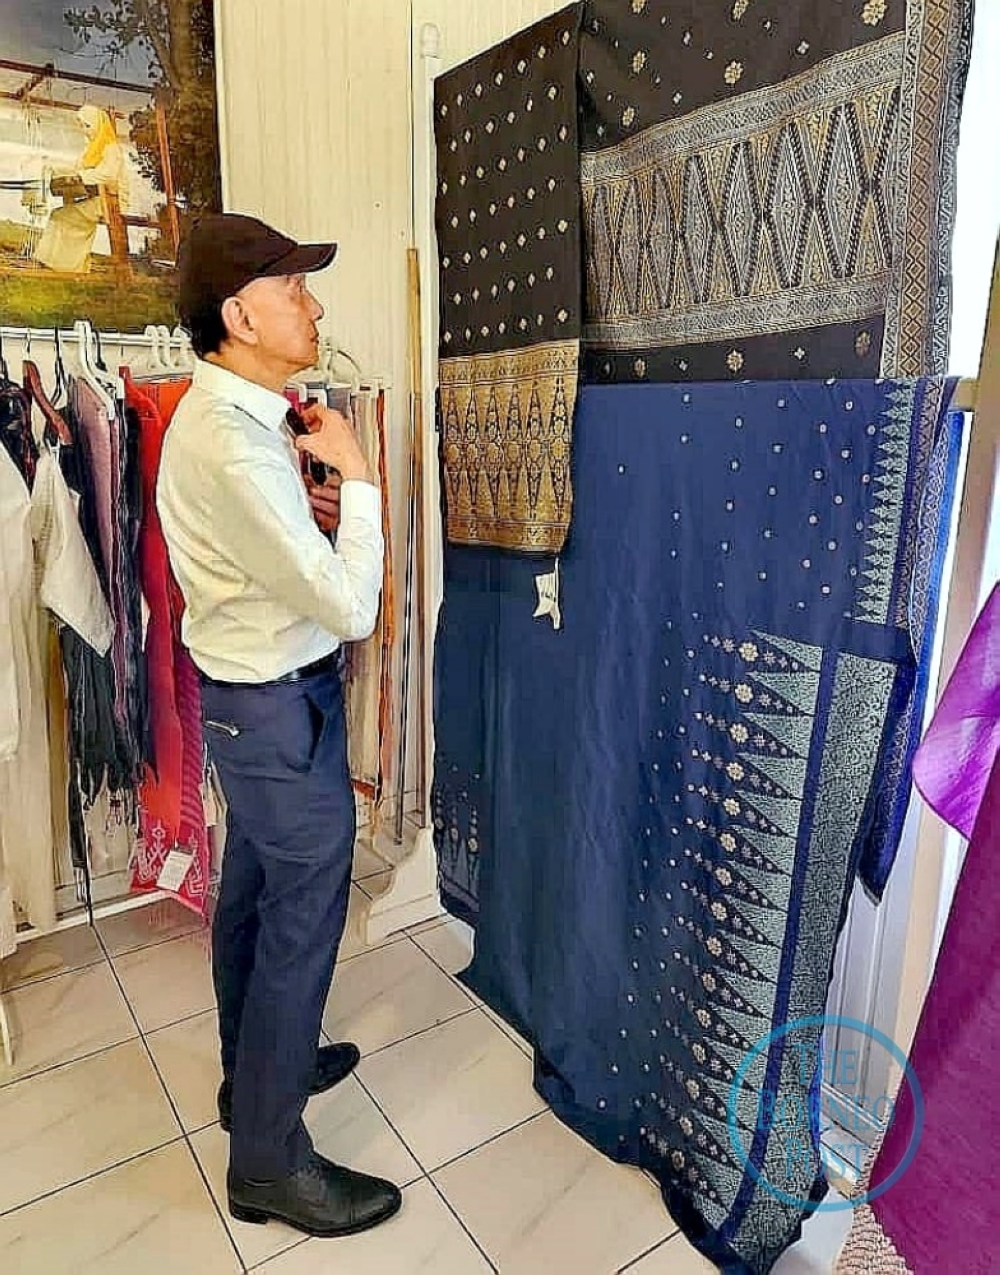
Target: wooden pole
(420,566)
(168,173)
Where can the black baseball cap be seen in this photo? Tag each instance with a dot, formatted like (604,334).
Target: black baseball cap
(223,252)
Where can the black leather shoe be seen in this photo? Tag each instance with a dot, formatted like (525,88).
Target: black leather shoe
(334,1063)
(321,1199)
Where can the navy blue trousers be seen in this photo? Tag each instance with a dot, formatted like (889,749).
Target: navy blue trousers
(280,750)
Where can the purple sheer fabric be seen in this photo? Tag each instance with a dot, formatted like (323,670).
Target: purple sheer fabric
(952,767)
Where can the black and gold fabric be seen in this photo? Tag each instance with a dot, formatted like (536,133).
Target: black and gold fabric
(510,245)
(684,190)
(769,187)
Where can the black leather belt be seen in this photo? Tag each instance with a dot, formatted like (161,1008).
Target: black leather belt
(326,664)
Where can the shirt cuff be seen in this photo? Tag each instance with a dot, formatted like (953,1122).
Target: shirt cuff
(361,500)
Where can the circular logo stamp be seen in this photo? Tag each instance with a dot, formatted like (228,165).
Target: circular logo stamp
(774,1099)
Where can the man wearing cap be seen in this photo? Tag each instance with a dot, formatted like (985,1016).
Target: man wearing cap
(268,600)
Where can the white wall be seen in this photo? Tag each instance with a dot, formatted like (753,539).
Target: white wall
(469,27)
(316,123)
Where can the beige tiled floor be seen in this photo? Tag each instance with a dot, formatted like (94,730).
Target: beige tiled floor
(111,1159)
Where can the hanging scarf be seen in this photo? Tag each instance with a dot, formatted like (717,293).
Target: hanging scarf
(171,811)
(103,136)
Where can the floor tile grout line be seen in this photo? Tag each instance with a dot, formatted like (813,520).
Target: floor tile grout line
(440,968)
(296,1244)
(477,1001)
(397,936)
(447,972)
(192,1134)
(499,1023)
(198,930)
(391,941)
(141,1031)
(502,1025)
(48,978)
(427,927)
(202,935)
(386,1117)
(488,1142)
(458,1218)
(379,872)
(447,1164)
(423,1031)
(634,1262)
(180,1022)
(67,1062)
(90,1177)
(425,1173)
(180,1123)
(177,1022)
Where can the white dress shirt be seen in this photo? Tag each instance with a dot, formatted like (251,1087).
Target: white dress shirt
(265,592)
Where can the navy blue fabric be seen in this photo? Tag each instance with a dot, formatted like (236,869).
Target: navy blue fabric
(655,816)
(281,754)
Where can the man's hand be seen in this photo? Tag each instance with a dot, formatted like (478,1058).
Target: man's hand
(325,501)
(332,440)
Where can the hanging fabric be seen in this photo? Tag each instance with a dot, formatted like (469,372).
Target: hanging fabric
(656,815)
(15,425)
(171,809)
(509,241)
(368,664)
(45,564)
(916,1226)
(111,451)
(755,192)
(98,760)
(769,190)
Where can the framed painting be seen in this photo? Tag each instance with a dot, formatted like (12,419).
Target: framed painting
(108,146)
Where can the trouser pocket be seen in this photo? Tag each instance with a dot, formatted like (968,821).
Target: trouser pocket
(269,732)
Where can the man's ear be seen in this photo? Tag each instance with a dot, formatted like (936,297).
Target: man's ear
(238,323)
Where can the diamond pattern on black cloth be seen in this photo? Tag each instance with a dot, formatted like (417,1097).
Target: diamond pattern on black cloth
(508,202)
(510,245)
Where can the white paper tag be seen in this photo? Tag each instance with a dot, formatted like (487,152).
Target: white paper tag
(209,803)
(175,869)
(145,613)
(548,597)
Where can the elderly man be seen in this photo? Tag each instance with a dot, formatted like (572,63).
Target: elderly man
(268,601)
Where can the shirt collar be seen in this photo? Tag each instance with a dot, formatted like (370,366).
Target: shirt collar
(262,404)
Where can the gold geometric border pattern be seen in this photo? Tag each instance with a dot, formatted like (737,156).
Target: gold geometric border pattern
(938,43)
(507,422)
(769,212)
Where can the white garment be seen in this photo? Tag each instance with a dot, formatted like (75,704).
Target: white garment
(44,561)
(265,591)
(68,238)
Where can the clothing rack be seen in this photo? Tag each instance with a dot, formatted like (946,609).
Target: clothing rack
(143,339)
(17,341)
(46,344)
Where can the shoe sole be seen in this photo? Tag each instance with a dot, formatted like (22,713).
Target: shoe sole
(256,1217)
